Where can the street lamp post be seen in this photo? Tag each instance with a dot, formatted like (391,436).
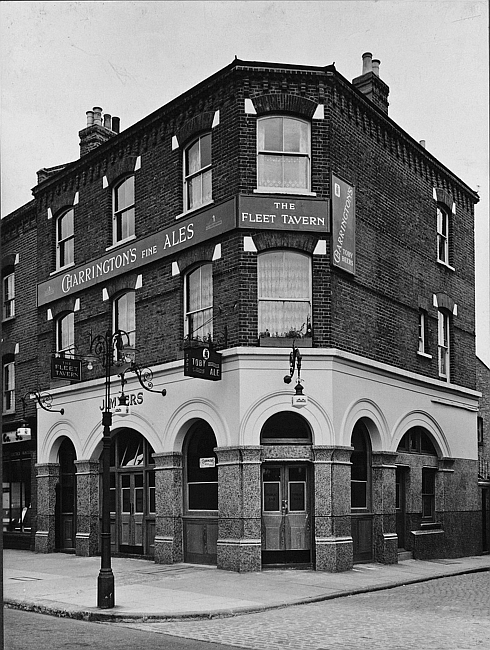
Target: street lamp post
(110,350)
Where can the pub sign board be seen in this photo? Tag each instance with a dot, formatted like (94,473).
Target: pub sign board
(66,368)
(343,225)
(202,363)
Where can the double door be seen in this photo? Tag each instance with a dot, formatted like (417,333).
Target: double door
(286,526)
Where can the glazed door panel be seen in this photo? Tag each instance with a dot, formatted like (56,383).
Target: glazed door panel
(132,505)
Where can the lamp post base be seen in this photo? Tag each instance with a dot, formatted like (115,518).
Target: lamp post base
(105,589)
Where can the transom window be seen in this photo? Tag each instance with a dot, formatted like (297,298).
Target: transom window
(284,293)
(123,220)
(8,296)
(442,235)
(417,441)
(283,154)
(199,303)
(65,334)
(65,239)
(125,316)
(8,387)
(198,174)
(443,321)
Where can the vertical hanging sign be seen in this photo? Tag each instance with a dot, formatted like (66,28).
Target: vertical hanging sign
(343,225)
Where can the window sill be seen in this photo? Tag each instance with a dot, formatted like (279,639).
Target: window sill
(276,190)
(284,342)
(8,319)
(447,266)
(63,268)
(424,355)
(189,212)
(121,243)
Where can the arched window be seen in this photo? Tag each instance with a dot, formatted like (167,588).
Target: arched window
(202,470)
(361,468)
(65,239)
(125,316)
(285,428)
(284,293)
(417,441)
(123,215)
(283,154)
(197,172)
(65,334)
(199,302)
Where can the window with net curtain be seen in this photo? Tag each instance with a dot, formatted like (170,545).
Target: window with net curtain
(65,334)
(64,239)
(199,302)
(284,293)
(283,154)
(125,316)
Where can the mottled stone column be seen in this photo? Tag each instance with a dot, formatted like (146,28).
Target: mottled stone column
(239,523)
(385,540)
(48,476)
(333,538)
(169,545)
(87,536)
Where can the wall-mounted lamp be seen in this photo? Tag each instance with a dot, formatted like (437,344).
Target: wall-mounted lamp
(295,359)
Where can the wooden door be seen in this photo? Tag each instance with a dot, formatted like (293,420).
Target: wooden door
(132,512)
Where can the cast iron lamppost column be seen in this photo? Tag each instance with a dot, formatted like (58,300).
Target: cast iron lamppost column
(111,350)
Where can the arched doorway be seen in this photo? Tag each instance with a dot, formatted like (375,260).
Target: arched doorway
(361,500)
(66,499)
(200,495)
(132,483)
(286,492)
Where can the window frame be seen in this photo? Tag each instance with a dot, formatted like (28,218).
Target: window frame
(65,245)
(8,387)
(360,430)
(283,153)
(129,327)
(200,173)
(68,350)
(443,344)
(443,234)
(8,295)
(428,496)
(189,313)
(123,216)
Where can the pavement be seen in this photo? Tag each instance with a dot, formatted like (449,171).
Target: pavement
(66,586)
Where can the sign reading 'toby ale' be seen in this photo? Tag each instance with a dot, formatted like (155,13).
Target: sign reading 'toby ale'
(202,363)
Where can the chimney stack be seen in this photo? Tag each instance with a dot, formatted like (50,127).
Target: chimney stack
(99,129)
(370,84)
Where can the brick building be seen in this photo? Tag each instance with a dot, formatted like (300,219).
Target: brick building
(271,208)
(483,428)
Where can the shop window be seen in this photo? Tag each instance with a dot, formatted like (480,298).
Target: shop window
(65,334)
(198,173)
(285,428)
(8,387)
(202,470)
(360,468)
(443,338)
(65,239)
(423,331)
(428,493)
(125,316)
(283,154)
(199,303)
(284,294)
(443,224)
(16,507)
(8,286)
(123,217)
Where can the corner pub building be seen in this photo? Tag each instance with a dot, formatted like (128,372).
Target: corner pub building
(271,209)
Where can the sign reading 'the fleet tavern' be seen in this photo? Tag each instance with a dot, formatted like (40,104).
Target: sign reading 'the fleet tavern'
(202,363)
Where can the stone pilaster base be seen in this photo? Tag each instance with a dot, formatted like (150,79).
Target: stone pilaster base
(48,476)
(87,536)
(334,554)
(168,550)
(386,548)
(45,542)
(240,555)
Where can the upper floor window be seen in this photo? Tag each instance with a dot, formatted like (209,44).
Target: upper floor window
(8,387)
(123,219)
(8,295)
(197,173)
(199,302)
(125,316)
(65,334)
(442,235)
(423,328)
(284,293)
(443,338)
(283,154)
(64,239)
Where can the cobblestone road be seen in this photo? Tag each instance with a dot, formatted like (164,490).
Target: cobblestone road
(445,614)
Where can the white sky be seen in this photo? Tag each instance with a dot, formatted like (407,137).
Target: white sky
(60,59)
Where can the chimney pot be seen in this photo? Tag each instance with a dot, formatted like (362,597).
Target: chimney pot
(97,115)
(366,62)
(422,143)
(90,118)
(116,124)
(107,121)
(376,63)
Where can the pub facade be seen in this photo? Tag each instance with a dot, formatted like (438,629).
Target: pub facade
(295,277)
